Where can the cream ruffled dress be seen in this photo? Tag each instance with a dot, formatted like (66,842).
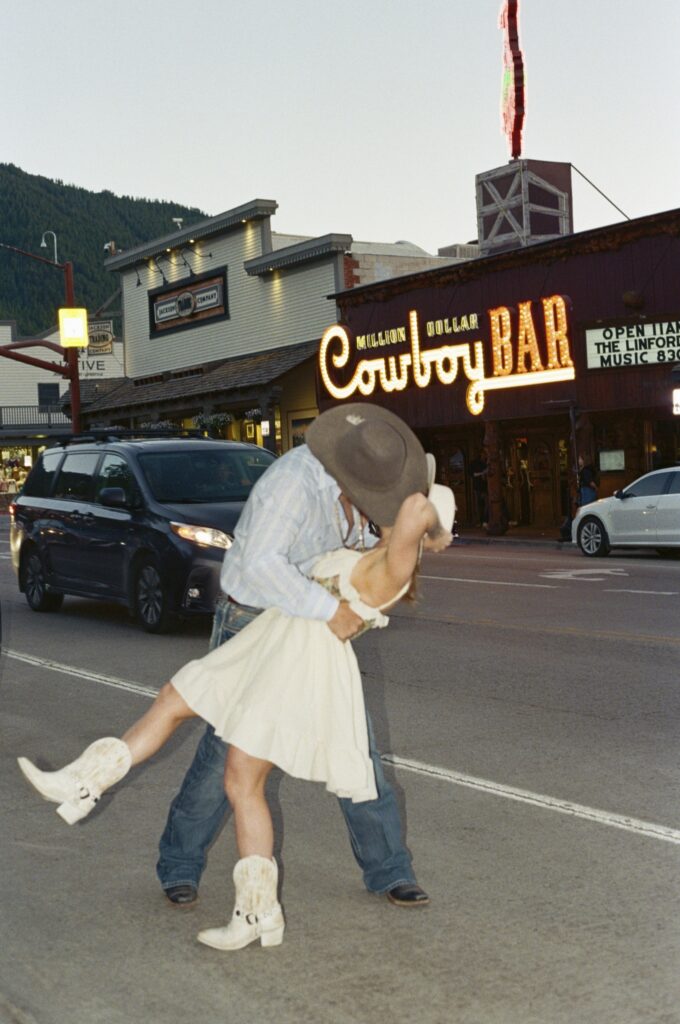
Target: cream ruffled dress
(288,691)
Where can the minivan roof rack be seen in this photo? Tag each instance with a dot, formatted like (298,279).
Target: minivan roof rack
(109,434)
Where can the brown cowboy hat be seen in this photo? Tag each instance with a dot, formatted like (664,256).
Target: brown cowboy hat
(375,457)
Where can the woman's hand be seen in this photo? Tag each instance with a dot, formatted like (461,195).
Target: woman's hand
(437,539)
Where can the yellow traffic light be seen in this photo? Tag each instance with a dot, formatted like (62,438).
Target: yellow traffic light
(73,328)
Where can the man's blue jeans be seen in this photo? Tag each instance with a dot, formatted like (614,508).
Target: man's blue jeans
(199,808)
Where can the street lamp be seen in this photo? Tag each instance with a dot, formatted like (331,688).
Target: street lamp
(43,243)
(71,354)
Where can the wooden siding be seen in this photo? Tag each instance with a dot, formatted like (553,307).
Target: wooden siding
(280,309)
(19,381)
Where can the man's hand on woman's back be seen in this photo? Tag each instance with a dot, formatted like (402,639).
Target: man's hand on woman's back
(345,623)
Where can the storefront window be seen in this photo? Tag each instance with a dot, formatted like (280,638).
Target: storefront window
(15,465)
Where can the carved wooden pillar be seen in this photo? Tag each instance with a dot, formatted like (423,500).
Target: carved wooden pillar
(585,437)
(269,399)
(497,522)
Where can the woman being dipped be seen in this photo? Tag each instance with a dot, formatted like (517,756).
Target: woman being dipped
(285,691)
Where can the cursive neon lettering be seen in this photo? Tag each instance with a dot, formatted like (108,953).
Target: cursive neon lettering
(391,373)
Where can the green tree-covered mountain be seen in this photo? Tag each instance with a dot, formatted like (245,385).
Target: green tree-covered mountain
(83,222)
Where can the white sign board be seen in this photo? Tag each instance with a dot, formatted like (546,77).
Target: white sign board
(102,337)
(639,344)
(193,300)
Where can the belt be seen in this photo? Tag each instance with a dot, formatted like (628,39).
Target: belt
(239,604)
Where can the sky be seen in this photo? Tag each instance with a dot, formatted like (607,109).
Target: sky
(366,117)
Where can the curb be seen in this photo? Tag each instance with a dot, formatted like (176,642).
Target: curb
(536,542)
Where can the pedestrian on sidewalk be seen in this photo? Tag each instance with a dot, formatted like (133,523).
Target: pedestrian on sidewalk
(479,470)
(587,481)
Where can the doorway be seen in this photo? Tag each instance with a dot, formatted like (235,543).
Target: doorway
(452,470)
(535,478)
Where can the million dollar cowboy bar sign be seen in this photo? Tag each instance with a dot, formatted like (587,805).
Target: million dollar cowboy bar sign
(529,346)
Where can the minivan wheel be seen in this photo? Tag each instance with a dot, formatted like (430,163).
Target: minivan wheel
(34,585)
(592,538)
(151,600)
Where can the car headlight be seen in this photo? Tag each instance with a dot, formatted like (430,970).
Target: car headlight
(204,535)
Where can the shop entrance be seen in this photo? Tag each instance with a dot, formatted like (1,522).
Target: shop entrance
(665,444)
(536,485)
(452,470)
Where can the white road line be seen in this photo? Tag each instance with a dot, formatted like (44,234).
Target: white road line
(583,575)
(661,593)
(490,583)
(546,803)
(93,677)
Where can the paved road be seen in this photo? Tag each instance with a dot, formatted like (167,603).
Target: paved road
(530,707)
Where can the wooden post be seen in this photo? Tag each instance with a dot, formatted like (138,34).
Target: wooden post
(497,522)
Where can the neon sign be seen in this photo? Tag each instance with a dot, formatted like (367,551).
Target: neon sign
(512,98)
(517,359)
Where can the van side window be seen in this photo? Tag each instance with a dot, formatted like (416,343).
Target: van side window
(115,472)
(76,476)
(39,482)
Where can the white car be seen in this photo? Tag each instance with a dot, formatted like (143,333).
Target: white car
(646,513)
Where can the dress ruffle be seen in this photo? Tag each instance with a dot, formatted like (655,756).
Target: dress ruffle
(288,691)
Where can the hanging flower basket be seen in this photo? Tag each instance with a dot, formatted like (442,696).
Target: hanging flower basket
(161,425)
(255,415)
(213,422)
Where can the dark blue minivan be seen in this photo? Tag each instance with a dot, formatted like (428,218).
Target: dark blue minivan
(142,522)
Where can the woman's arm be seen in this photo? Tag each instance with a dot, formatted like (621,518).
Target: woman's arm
(382,573)
(417,521)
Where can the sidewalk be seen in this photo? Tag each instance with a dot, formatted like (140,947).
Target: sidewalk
(526,535)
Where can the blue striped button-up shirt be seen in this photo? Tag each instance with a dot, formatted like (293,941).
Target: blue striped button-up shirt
(292,517)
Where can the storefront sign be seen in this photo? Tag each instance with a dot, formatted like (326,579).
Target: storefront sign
(185,304)
(97,364)
(517,357)
(101,337)
(639,344)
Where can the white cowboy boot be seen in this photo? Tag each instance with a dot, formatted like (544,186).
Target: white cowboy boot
(78,786)
(257,913)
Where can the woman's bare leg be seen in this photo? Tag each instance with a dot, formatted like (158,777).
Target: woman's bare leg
(156,726)
(244,783)
(257,913)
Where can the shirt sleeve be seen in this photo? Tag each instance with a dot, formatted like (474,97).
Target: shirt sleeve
(277,517)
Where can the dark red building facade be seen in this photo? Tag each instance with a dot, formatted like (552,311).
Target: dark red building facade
(538,354)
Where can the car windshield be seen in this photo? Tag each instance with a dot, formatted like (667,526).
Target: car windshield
(201,476)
